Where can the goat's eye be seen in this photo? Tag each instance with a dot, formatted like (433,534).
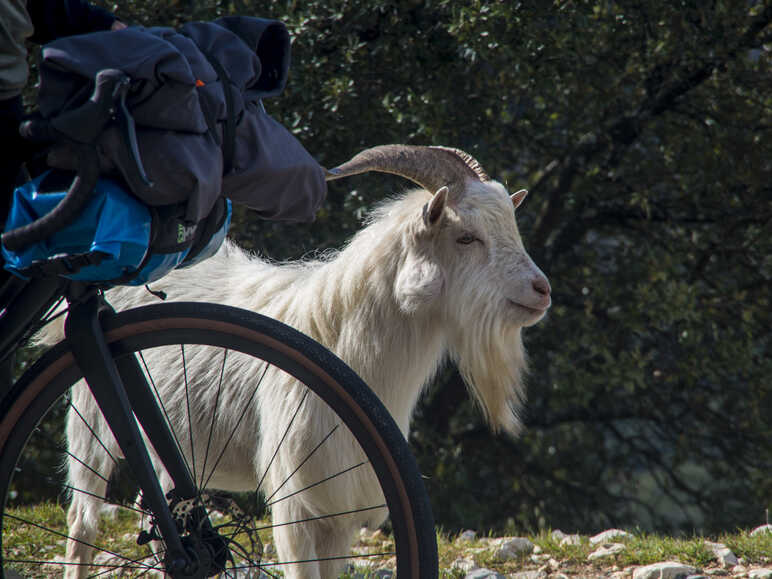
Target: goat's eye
(466,239)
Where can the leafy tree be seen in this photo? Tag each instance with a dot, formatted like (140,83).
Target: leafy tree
(642,129)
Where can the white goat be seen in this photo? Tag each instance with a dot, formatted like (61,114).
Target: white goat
(439,273)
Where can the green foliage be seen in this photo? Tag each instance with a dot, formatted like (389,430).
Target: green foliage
(642,130)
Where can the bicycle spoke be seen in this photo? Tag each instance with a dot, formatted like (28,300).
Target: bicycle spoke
(333,558)
(283,437)
(214,413)
(94,434)
(139,511)
(235,428)
(237,525)
(161,404)
(147,569)
(304,461)
(317,483)
(66,451)
(321,517)
(267,572)
(65,536)
(238,549)
(67,564)
(187,402)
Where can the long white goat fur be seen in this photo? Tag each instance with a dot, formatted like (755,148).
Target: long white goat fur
(400,299)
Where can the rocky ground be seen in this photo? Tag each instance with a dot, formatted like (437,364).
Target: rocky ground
(609,554)
(612,554)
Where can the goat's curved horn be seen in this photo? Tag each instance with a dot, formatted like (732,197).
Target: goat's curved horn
(430,167)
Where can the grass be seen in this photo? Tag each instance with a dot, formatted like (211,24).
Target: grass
(640,549)
(29,542)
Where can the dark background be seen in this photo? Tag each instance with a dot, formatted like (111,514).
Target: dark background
(643,130)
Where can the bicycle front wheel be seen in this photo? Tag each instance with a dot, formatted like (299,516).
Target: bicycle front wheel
(300,468)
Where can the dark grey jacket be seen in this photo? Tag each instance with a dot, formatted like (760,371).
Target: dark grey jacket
(178,101)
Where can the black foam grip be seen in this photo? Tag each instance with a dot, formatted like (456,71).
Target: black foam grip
(66,211)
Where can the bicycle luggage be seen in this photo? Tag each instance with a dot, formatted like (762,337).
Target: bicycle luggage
(201,129)
(116,239)
(185,128)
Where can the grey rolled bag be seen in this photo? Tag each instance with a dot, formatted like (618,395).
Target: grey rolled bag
(196,99)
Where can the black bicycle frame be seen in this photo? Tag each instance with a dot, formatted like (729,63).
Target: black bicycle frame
(119,387)
(122,392)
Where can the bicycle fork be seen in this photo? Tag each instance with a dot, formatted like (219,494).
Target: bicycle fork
(119,405)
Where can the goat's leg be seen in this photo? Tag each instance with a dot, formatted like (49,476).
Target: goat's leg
(336,542)
(82,524)
(296,543)
(311,540)
(86,458)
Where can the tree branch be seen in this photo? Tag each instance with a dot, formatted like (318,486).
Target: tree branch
(623,131)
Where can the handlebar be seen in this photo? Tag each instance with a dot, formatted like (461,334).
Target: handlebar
(80,129)
(68,208)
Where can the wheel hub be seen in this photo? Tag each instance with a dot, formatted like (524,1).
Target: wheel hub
(208,550)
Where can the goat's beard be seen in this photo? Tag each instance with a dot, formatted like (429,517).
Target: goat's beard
(492,361)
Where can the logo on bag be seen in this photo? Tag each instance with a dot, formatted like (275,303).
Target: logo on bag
(184,233)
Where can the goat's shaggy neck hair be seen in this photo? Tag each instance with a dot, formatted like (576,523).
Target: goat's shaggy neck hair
(346,301)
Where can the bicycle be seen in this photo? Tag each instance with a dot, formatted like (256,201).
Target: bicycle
(183,529)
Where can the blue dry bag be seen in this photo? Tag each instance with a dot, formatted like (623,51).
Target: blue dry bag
(116,239)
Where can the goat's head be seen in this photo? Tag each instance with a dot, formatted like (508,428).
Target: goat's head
(464,259)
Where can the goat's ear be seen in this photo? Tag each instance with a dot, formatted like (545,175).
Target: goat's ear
(433,210)
(517,198)
(418,283)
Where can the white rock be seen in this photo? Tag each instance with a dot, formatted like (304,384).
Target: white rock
(762,529)
(570,540)
(557,535)
(606,536)
(468,535)
(606,550)
(483,573)
(379,574)
(527,575)
(512,548)
(722,553)
(464,564)
(355,571)
(664,570)
(536,550)
(739,570)
(760,574)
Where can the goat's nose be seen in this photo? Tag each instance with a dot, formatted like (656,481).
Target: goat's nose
(541,286)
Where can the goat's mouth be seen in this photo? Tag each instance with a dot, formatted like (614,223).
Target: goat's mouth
(530,310)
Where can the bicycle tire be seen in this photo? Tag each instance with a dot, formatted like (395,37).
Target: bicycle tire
(249,338)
